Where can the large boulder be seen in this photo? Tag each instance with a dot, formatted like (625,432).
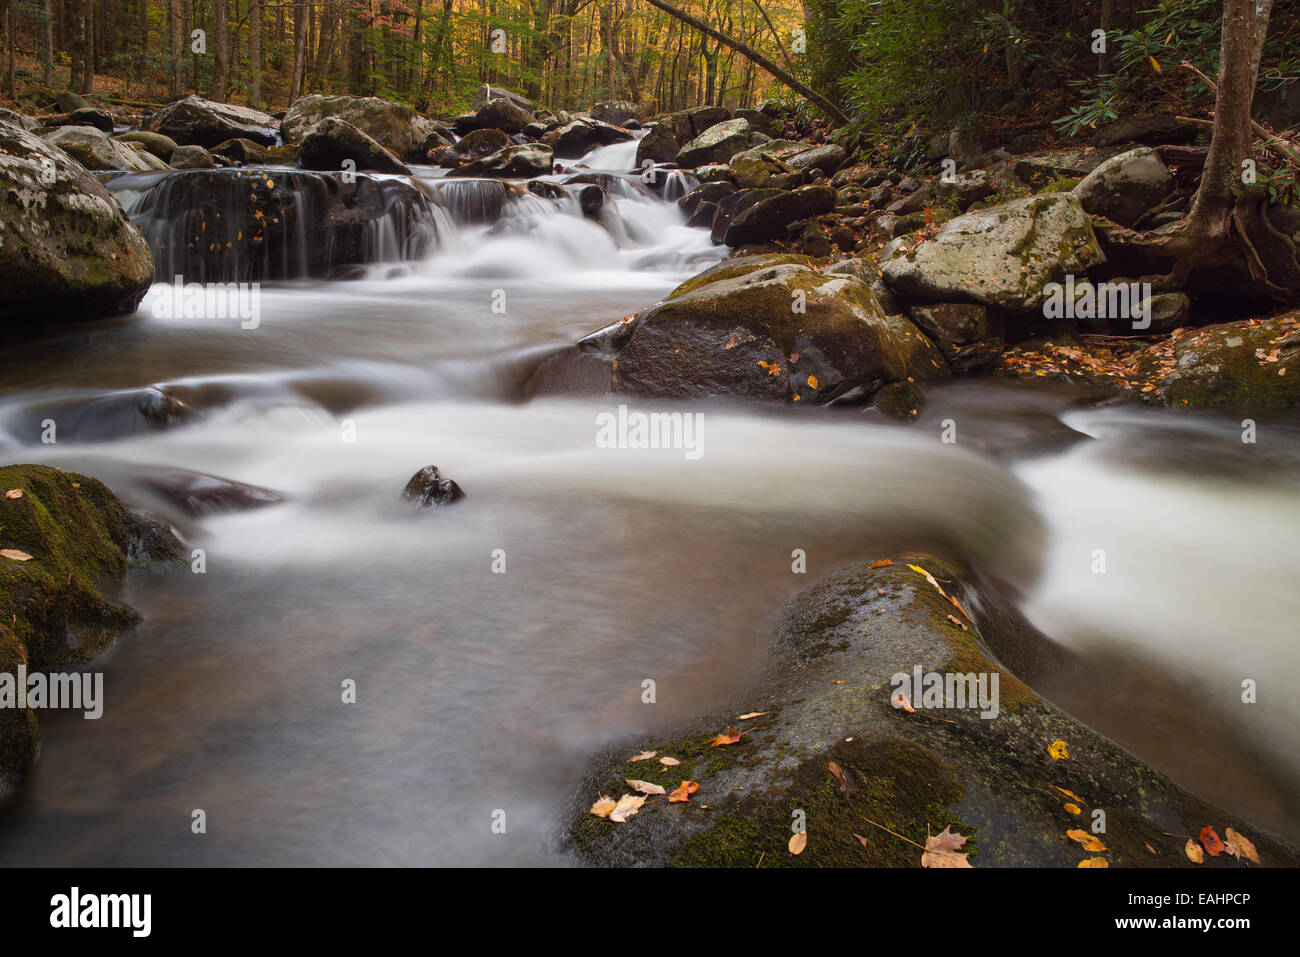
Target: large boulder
(58,605)
(94,150)
(486,92)
(86,116)
(482,143)
(21,120)
(1125,187)
(200,122)
(501,114)
(617,112)
(327,144)
(395,126)
(754,169)
(1151,130)
(768,218)
(771,327)
(1002,256)
(827,158)
(830,750)
(158,144)
(659,145)
(690,123)
(66,247)
(962,331)
(513,162)
(719,143)
(580,137)
(1236,365)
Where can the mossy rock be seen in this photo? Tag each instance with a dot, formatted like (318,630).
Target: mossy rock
(58,609)
(870,781)
(1237,365)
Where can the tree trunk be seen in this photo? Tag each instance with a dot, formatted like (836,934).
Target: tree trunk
(255,52)
(47,43)
(299,48)
(827,107)
(1106,63)
(177,43)
(88,62)
(221,60)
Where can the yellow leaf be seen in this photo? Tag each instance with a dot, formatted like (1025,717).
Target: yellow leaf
(669,762)
(1074,808)
(1095,862)
(1155,64)
(812,381)
(1069,794)
(627,805)
(1194,852)
(1239,846)
(1085,839)
(798,842)
(604,806)
(15,555)
(645,787)
(643,756)
(752,714)
(1059,750)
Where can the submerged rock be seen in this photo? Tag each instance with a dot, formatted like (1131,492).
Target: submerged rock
(427,487)
(827,748)
(513,162)
(65,235)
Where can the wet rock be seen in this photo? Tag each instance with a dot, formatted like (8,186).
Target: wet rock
(513,162)
(158,144)
(963,333)
(659,145)
(580,137)
(502,114)
(830,743)
(331,142)
(704,193)
(703,216)
(480,143)
(1237,365)
(548,190)
(427,487)
(1001,256)
(191,157)
(59,607)
(65,235)
(243,151)
(1125,187)
(591,200)
(394,126)
(735,330)
(199,122)
(733,205)
(768,218)
(93,150)
(719,144)
(754,169)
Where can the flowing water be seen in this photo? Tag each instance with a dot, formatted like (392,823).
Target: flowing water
(480,692)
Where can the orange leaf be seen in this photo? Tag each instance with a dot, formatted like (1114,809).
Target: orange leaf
(880,564)
(1210,841)
(683,792)
(798,842)
(731,737)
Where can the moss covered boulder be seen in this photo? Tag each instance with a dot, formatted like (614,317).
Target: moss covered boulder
(66,247)
(395,126)
(57,605)
(1237,365)
(775,328)
(823,748)
(1002,256)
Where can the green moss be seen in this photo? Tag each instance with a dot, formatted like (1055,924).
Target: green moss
(1062,184)
(731,268)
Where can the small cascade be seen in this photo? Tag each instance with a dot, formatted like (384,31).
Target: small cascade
(255,224)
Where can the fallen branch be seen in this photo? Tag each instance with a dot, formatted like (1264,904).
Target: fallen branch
(1271,139)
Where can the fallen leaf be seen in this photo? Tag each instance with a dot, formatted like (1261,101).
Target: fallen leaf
(731,737)
(1069,794)
(812,381)
(669,762)
(1095,862)
(1150,848)
(900,701)
(643,756)
(838,774)
(880,564)
(1089,842)
(627,805)
(1213,846)
(752,714)
(1059,750)
(861,840)
(1073,808)
(928,577)
(943,850)
(798,842)
(645,787)
(15,554)
(1194,852)
(958,622)
(1240,846)
(604,806)
(683,792)
(14,493)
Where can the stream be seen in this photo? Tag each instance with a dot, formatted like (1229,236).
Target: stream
(480,691)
